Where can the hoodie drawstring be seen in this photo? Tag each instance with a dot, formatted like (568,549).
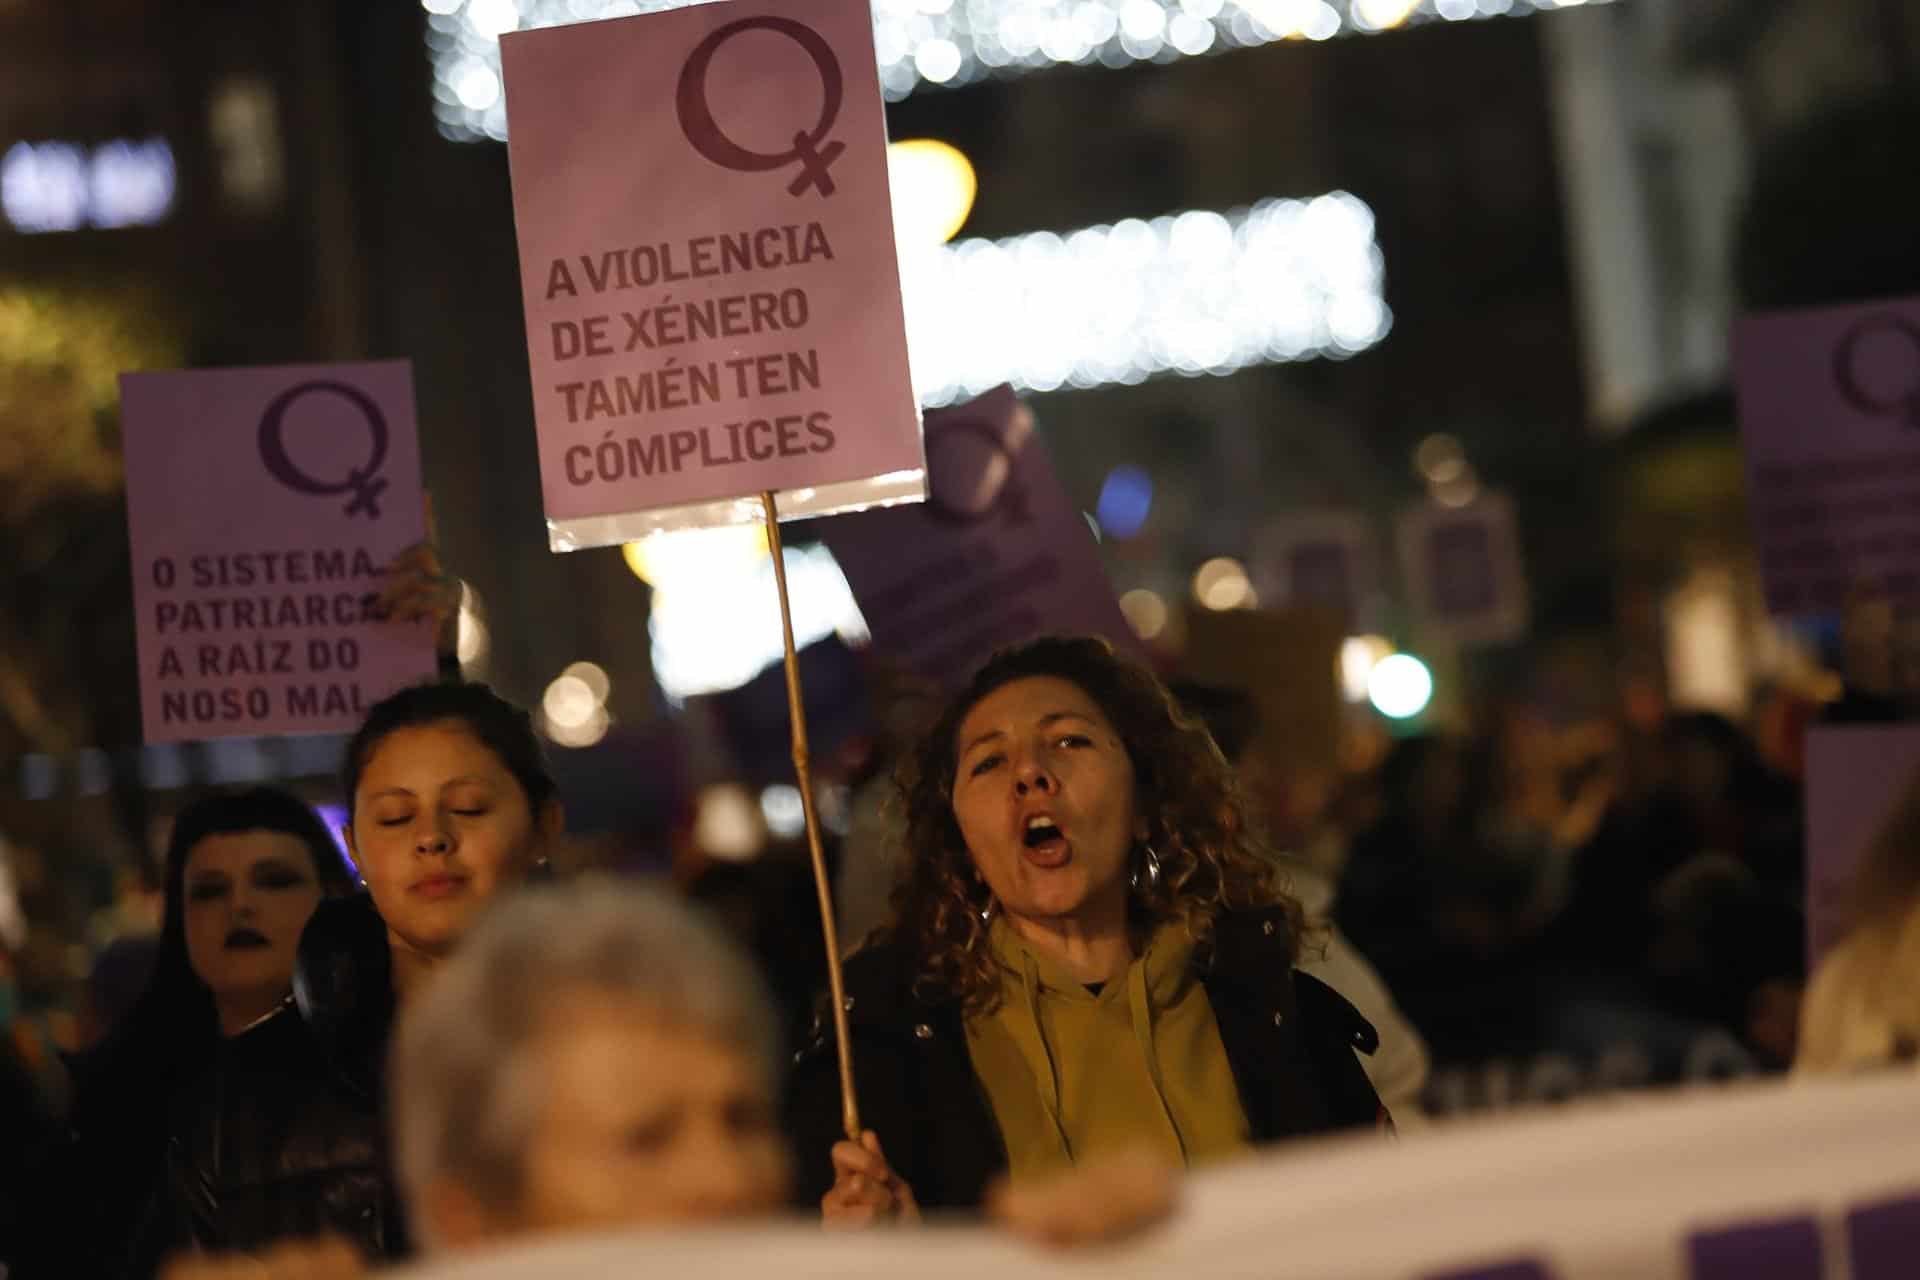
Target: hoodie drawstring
(1140,1010)
(1049,1079)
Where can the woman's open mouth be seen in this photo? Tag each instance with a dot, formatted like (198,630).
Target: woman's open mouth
(1046,845)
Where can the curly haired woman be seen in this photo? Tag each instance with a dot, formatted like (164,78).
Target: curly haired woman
(1862,1010)
(1089,957)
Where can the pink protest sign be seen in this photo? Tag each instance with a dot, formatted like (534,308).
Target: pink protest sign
(263,507)
(707,259)
(1830,421)
(1855,773)
(1462,569)
(1322,559)
(997,554)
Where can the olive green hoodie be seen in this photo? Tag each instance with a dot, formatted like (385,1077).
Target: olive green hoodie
(1073,1072)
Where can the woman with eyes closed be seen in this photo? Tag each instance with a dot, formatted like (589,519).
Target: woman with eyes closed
(1089,957)
(172,1110)
(449,805)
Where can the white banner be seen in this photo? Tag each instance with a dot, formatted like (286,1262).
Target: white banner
(1763,1182)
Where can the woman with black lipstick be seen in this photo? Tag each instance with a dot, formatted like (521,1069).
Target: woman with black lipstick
(171,1110)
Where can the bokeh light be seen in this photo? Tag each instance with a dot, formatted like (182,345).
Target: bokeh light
(1190,293)
(1145,612)
(933,186)
(1438,458)
(1400,686)
(944,43)
(592,675)
(62,186)
(785,815)
(1359,655)
(573,711)
(1382,15)
(472,640)
(1222,583)
(715,617)
(1125,500)
(727,823)
(694,555)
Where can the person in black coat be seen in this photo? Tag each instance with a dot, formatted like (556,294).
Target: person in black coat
(171,1110)
(1089,957)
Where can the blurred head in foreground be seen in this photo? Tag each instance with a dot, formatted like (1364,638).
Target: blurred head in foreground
(595,1056)
(1862,1009)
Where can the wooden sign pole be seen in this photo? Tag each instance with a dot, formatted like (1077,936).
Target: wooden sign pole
(796,709)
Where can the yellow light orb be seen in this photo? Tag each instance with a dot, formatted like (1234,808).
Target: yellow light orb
(1382,15)
(933,188)
(692,555)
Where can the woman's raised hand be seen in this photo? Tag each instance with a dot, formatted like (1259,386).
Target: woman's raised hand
(1101,1203)
(865,1188)
(419,586)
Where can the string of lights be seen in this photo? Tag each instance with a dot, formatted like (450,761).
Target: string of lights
(1191,293)
(923,43)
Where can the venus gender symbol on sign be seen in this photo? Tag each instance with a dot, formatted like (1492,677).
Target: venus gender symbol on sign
(970,474)
(711,141)
(1864,367)
(362,482)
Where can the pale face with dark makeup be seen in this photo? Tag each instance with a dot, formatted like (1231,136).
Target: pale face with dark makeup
(1044,796)
(247,895)
(439,827)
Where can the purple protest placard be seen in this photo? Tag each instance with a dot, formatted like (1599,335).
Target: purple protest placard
(997,554)
(708,265)
(1854,775)
(1321,559)
(1462,569)
(263,507)
(1830,423)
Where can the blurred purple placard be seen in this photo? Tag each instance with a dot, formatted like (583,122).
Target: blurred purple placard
(1317,559)
(264,506)
(996,555)
(1462,570)
(1854,775)
(1830,423)
(708,266)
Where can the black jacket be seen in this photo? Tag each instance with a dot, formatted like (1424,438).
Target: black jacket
(1290,1041)
(272,1134)
(286,1136)
(343,984)
(267,1146)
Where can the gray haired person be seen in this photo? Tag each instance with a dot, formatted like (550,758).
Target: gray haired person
(594,1056)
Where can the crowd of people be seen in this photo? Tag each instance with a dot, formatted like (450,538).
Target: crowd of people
(1098,968)
(1645,890)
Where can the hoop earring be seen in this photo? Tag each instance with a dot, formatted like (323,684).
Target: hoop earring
(1148,871)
